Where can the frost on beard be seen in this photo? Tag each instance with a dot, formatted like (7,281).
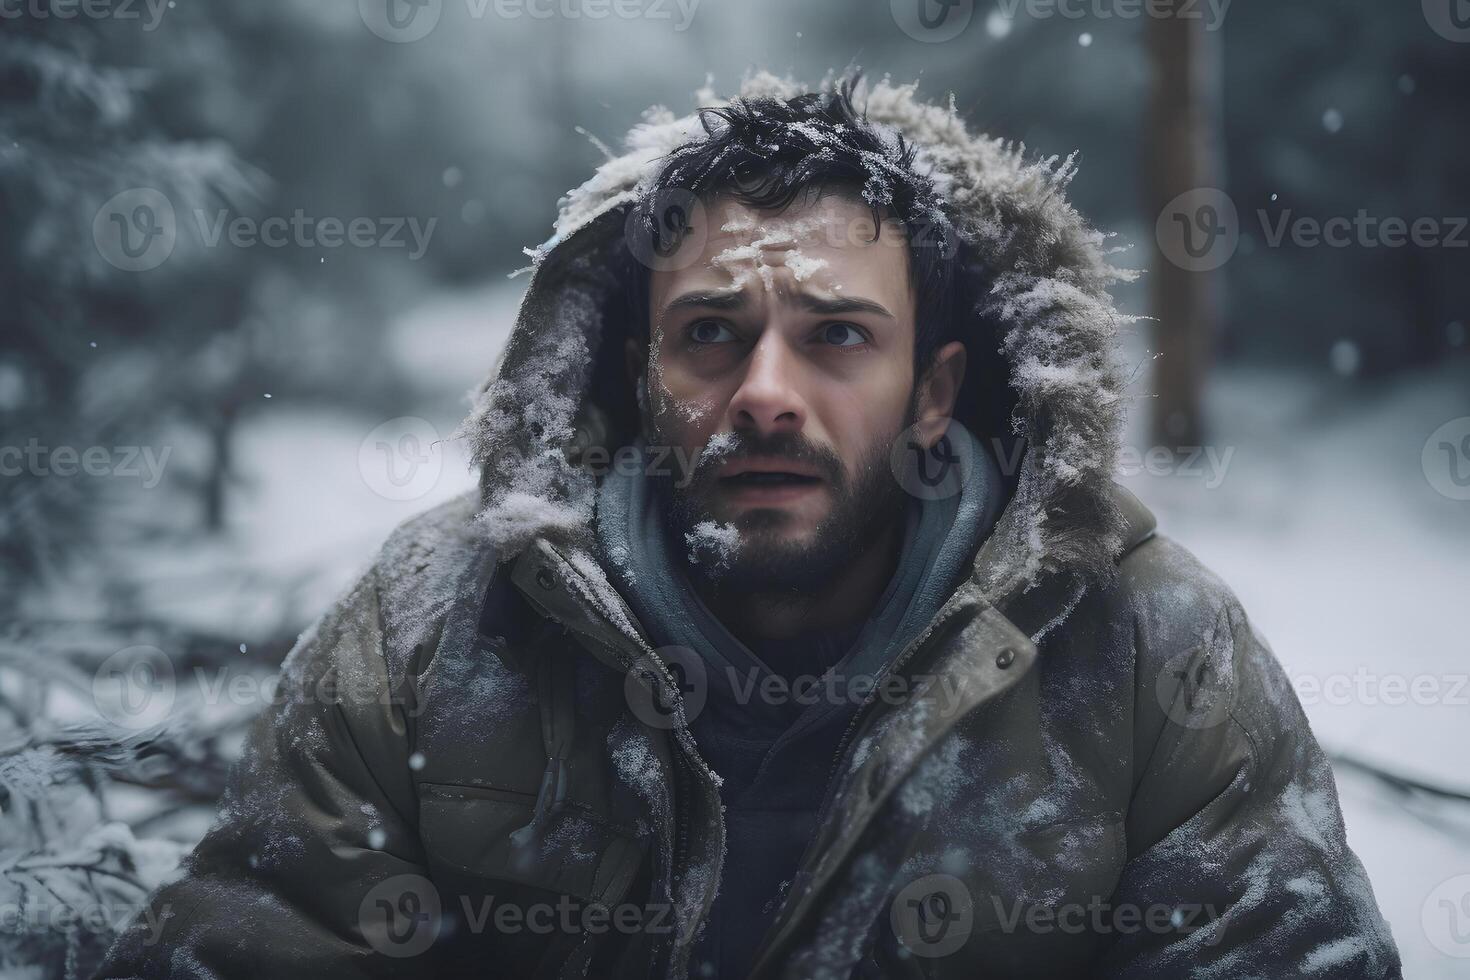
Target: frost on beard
(713,546)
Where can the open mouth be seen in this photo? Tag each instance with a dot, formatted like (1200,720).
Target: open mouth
(765,478)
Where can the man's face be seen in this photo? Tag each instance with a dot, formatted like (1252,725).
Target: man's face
(788,340)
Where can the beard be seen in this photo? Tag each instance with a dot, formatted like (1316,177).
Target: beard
(766,559)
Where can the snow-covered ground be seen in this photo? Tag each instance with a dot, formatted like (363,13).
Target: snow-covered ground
(1315,506)
(1358,572)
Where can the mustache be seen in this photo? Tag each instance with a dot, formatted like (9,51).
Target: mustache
(731,446)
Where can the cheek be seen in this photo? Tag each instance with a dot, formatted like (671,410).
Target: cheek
(862,417)
(681,415)
(685,400)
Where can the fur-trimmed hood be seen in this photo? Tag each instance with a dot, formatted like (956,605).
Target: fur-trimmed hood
(1049,273)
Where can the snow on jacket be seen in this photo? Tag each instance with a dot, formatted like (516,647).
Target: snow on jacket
(1099,770)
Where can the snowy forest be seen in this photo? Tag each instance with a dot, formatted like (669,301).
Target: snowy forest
(253,256)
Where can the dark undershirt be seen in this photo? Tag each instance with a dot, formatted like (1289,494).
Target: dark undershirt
(771,797)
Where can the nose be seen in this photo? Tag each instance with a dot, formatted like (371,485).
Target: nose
(768,400)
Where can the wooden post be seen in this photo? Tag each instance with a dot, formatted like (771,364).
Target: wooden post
(1183,154)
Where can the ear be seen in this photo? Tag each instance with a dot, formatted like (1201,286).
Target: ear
(635,359)
(938,389)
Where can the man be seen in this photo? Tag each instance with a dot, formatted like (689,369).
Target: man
(797,629)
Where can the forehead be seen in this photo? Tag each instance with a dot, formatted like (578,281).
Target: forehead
(831,244)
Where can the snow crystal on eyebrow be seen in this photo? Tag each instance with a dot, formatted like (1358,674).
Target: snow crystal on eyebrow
(712,545)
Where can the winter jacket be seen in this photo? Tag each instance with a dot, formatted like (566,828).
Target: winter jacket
(1097,767)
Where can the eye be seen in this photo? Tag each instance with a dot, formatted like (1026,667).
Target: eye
(710,332)
(842,335)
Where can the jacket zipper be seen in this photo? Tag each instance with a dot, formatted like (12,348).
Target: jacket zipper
(684,756)
(830,800)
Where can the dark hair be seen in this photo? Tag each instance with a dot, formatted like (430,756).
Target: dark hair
(765,152)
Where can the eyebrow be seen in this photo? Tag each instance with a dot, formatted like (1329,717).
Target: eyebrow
(735,300)
(842,304)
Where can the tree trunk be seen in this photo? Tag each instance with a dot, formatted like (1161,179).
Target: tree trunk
(1184,154)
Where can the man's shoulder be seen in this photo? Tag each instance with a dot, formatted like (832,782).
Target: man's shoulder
(432,568)
(1173,599)
(431,549)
